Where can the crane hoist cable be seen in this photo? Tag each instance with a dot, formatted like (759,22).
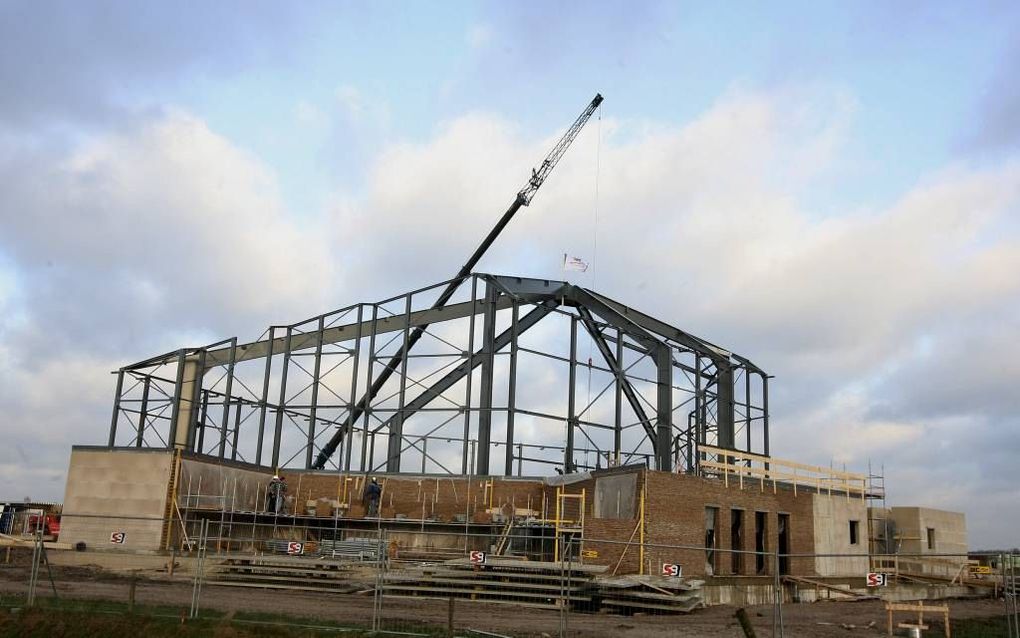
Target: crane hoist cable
(523,198)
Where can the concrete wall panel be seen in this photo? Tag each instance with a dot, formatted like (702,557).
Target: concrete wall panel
(116,491)
(832,516)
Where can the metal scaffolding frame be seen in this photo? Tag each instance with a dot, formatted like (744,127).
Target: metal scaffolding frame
(498,385)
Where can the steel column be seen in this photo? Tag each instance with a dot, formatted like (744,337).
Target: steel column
(116,408)
(196,400)
(725,437)
(765,409)
(747,409)
(226,398)
(171,440)
(265,396)
(315,392)
(281,409)
(468,464)
(568,451)
(200,423)
(663,408)
(143,412)
(397,426)
(349,426)
(366,463)
(508,468)
(488,363)
(618,415)
(237,430)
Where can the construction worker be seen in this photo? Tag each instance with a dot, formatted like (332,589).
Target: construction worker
(271,492)
(281,495)
(373,492)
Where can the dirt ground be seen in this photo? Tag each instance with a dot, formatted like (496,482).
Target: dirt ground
(805,620)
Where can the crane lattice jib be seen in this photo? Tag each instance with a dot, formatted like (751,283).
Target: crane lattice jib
(538,175)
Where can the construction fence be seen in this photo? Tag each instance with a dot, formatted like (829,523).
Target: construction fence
(428,583)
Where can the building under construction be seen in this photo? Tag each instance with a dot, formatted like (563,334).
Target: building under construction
(499,413)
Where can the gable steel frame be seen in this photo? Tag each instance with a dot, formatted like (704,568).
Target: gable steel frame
(462,395)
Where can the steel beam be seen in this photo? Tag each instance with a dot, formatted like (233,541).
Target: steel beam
(613,363)
(485,391)
(463,370)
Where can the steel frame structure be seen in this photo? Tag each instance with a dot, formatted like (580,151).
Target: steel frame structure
(532,372)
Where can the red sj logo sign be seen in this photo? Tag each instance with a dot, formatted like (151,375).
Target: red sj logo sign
(477,558)
(672,569)
(876,579)
(295,547)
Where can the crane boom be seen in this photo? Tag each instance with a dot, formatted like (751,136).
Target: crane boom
(523,198)
(538,175)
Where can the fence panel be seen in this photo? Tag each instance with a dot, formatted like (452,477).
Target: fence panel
(439,580)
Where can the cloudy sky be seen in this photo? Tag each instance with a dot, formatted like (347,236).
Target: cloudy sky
(832,189)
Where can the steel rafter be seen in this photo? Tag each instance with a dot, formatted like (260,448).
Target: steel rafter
(486,382)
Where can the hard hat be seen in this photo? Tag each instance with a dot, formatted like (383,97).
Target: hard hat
(275,476)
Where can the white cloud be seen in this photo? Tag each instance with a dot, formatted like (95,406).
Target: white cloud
(309,115)
(703,226)
(479,36)
(169,214)
(174,231)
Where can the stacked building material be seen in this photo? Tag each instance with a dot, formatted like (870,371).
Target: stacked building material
(351,549)
(529,583)
(655,594)
(279,572)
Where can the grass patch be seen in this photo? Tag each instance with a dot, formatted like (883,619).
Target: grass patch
(974,628)
(53,618)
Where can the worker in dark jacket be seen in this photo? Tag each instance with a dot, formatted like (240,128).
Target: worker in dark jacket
(271,494)
(373,492)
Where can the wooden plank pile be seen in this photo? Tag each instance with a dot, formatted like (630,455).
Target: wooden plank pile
(294,573)
(648,594)
(528,583)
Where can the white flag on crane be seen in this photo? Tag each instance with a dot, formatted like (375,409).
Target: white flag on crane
(574,263)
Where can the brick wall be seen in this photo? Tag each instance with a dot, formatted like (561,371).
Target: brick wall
(675,515)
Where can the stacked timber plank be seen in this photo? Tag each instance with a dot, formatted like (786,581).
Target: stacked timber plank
(529,583)
(649,594)
(295,573)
